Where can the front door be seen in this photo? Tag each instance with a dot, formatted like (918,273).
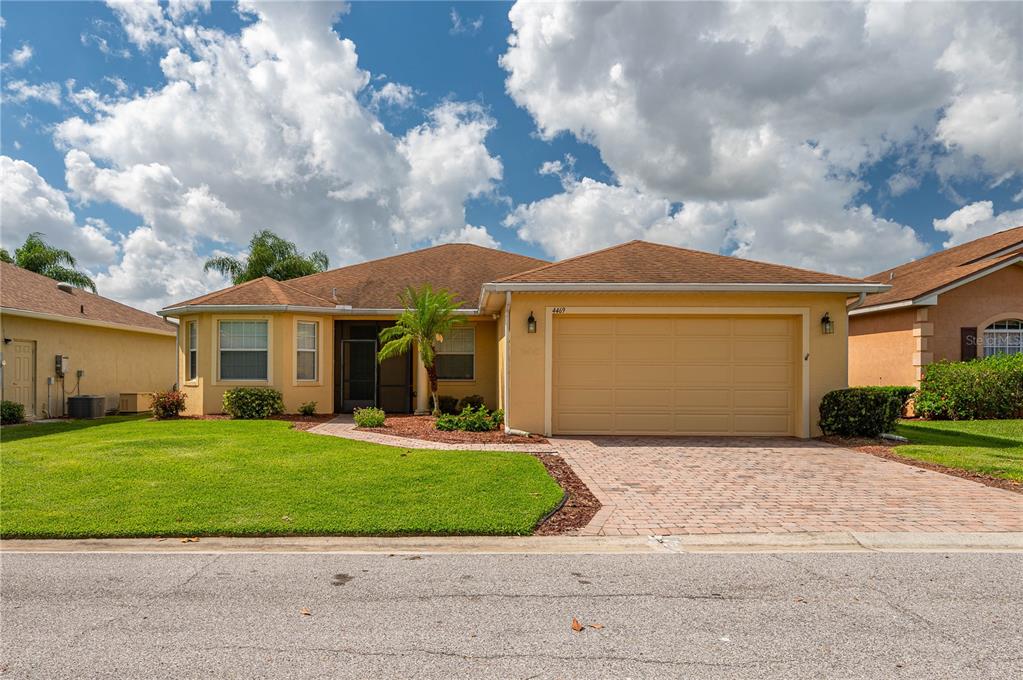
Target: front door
(20,374)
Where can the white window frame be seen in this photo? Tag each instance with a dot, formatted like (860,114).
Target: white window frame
(192,333)
(220,350)
(993,330)
(315,351)
(471,329)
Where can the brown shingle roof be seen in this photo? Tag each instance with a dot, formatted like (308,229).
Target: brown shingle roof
(27,291)
(643,262)
(461,268)
(913,279)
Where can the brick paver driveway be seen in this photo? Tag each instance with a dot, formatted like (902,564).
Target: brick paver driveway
(652,485)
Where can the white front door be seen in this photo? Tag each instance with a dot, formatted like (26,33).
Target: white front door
(20,374)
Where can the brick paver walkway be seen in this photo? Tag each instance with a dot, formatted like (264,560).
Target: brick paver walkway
(344,426)
(716,485)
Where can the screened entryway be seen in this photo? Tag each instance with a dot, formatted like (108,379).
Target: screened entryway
(359,380)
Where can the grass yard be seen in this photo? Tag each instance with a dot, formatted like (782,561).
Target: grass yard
(130,476)
(990,447)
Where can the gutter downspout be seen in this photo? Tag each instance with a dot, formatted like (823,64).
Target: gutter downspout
(858,303)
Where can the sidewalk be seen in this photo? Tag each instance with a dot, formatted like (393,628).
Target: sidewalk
(550,545)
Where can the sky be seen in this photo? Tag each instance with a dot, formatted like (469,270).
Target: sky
(845,138)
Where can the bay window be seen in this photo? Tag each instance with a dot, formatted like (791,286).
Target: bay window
(243,347)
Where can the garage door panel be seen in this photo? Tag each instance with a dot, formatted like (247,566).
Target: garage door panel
(761,326)
(642,375)
(583,375)
(703,398)
(763,399)
(643,422)
(763,424)
(763,349)
(674,375)
(643,398)
(585,325)
(699,350)
(703,326)
(643,325)
(777,375)
(583,348)
(710,375)
(643,349)
(586,398)
(703,423)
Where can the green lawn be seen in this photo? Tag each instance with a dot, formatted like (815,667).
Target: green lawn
(990,447)
(130,476)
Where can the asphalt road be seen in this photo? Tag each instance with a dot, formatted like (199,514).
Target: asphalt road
(509,616)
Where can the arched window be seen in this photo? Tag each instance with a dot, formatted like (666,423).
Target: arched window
(1004,337)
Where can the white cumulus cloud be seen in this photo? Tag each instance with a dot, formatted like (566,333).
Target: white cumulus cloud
(976,220)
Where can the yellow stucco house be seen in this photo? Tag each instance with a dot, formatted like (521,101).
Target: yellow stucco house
(957,304)
(635,339)
(59,341)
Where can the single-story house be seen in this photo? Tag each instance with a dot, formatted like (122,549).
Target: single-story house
(636,339)
(958,304)
(59,341)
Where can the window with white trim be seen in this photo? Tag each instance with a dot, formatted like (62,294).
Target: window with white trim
(243,350)
(193,350)
(456,355)
(306,350)
(1004,337)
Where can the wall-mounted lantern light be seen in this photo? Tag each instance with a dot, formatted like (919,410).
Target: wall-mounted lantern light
(531,323)
(827,325)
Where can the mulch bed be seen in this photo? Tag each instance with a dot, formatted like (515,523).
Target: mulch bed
(581,505)
(885,449)
(424,427)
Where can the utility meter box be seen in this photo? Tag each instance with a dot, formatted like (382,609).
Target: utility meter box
(61,365)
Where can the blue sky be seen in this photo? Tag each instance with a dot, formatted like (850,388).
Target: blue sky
(602,121)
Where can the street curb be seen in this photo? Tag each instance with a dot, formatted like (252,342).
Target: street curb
(824,542)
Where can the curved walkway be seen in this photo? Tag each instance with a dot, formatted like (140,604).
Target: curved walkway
(344,426)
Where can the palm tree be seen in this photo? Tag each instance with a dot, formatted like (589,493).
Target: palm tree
(269,255)
(429,314)
(38,256)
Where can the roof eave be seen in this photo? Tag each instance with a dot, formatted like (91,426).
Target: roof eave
(339,310)
(46,316)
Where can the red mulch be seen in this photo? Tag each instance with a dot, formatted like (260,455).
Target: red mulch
(888,450)
(424,427)
(581,505)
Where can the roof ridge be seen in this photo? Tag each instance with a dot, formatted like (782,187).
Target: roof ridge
(953,249)
(217,293)
(567,259)
(285,284)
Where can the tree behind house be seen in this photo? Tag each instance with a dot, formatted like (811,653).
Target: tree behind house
(429,315)
(36,255)
(272,256)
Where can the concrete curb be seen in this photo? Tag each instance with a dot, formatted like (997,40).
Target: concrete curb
(824,542)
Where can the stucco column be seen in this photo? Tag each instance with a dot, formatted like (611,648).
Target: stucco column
(422,386)
(923,330)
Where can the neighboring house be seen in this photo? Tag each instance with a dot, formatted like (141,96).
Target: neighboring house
(118,348)
(957,304)
(635,339)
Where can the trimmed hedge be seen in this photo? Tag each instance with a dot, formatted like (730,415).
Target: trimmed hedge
(863,411)
(981,389)
(250,403)
(370,416)
(11,412)
(473,400)
(471,419)
(448,404)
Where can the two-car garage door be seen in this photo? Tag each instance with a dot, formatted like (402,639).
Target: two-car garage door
(680,375)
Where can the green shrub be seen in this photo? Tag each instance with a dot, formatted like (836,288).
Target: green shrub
(473,400)
(11,412)
(471,419)
(860,411)
(167,404)
(307,409)
(248,403)
(371,416)
(989,388)
(447,404)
